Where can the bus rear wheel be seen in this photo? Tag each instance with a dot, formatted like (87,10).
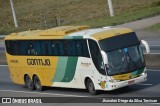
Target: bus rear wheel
(29,83)
(37,84)
(90,87)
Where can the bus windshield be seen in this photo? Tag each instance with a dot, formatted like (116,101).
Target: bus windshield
(125,60)
(124,53)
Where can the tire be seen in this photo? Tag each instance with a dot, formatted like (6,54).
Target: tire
(37,84)
(90,87)
(29,83)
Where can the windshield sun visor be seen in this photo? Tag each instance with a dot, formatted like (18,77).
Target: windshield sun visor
(118,42)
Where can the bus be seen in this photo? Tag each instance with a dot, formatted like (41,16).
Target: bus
(79,57)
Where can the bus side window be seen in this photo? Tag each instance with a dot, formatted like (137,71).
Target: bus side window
(19,47)
(9,47)
(31,48)
(37,47)
(23,48)
(61,48)
(71,48)
(57,48)
(85,48)
(79,48)
(15,47)
(54,48)
(96,56)
(45,48)
(82,49)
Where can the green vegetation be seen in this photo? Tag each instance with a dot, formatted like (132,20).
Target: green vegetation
(41,13)
(155,27)
(123,18)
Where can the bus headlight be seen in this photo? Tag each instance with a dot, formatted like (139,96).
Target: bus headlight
(111,80)
(143,73)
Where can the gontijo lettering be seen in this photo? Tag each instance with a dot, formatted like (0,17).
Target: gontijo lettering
(43,62)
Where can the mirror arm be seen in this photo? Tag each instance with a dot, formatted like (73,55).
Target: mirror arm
(145,43)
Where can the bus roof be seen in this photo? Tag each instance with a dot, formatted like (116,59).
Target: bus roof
(69,32)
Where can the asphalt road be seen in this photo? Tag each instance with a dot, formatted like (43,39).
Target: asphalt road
(150,88)
(153,48)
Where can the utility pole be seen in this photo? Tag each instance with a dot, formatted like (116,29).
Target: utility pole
(110,8)
(13,13)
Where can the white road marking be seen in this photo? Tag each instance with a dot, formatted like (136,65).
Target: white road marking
(151,53)
(154,103)
(145,84)
(14,91)
(152,45)
(153,69)
(3,65)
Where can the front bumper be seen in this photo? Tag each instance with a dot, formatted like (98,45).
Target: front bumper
(115,85)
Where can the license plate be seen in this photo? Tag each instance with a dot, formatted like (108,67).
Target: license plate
(131,82)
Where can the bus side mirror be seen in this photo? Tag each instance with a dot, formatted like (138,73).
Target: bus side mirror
(104,56)
(145,43)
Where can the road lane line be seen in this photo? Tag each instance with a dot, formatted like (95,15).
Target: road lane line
(153,69)
(145,84)
(151,53)
(14,91)
(154,103)
(3,65)
(151,45)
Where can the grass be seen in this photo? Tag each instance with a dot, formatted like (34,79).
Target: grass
(155,27)
(122,18)
(32,13)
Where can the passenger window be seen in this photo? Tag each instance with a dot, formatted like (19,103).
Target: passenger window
(71,48)
(48,47)
(45,47)
(82,48)
(9,48)
(31,48)
(96,56)
(15,45)
(58,48)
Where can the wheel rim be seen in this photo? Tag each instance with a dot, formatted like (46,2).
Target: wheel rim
(91,86)
(37,83)
(28,82)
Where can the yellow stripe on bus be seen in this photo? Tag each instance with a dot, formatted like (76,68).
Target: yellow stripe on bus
(111,33)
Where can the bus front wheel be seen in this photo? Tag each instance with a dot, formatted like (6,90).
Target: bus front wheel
(28,82)
(90,87)
(37,84)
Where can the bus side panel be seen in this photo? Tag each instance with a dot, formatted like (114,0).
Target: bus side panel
(12,70)
(13,75)
(65,69)
(32,65)
(84,68)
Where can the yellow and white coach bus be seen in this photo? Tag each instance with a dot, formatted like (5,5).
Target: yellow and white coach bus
(76,57)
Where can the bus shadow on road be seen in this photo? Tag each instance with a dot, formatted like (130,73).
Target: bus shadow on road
(153,80)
